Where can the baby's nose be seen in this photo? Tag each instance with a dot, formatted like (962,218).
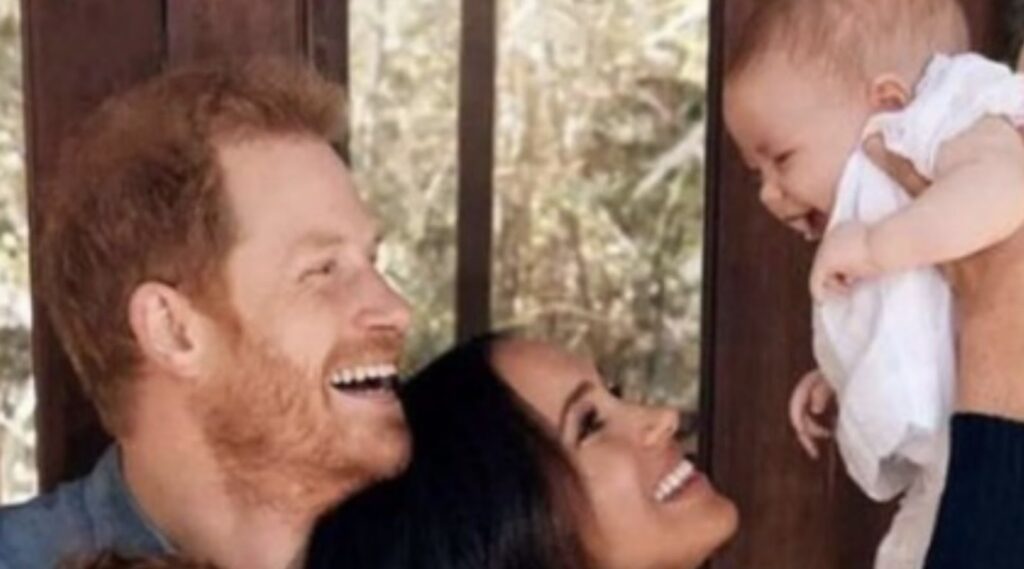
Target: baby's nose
(770,193)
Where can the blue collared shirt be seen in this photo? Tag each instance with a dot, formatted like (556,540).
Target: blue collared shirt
(85,516)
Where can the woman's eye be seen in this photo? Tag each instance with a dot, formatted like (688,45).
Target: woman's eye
(616,389)
(590,423)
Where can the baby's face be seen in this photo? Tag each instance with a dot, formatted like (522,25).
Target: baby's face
(796,128)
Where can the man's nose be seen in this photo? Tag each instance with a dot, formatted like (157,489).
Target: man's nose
(386,310)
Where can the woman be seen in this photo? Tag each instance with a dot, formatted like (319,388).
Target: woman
(523,459)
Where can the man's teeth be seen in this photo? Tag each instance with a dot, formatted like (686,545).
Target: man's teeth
(674,480)
(364,374)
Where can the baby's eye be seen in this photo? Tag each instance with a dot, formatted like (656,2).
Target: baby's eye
(783,158)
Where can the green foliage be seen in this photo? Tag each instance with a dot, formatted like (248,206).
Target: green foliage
(17,402)
(599,173)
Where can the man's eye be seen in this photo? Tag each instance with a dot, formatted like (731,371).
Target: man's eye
(323,269)
(590,423)
(616,389)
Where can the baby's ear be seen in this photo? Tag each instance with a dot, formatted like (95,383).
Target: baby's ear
(888,92)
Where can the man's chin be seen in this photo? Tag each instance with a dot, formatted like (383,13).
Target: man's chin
(397,451)
(384,448)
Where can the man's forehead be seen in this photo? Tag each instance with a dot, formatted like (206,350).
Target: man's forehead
(293,189)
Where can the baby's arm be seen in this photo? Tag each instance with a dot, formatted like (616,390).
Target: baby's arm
(976,200)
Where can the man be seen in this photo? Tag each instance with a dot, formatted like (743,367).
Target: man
(210,271)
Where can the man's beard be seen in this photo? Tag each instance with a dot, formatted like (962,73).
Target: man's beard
(279,443)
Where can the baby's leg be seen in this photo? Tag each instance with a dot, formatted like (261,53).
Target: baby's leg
(905,546)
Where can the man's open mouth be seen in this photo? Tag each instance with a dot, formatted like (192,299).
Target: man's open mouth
(366,379)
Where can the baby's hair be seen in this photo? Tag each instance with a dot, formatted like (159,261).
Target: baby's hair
(852,39)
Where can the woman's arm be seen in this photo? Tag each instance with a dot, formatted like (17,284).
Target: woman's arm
(981,518)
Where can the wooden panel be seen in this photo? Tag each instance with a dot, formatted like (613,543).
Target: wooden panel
(75,53)
(795,513)
(476,163)
(201,29)
(985,16)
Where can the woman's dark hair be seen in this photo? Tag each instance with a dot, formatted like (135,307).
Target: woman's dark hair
(487,487)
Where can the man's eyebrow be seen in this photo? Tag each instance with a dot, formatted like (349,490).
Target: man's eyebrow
(316,240)
(324,239)
(577,393)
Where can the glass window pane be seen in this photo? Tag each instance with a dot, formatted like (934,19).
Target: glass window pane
(404,91)
(17,396)
(599,177)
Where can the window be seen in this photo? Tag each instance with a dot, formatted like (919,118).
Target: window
(403,93)
(599,184)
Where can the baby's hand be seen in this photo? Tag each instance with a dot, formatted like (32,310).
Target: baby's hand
(842,258)
(808,402)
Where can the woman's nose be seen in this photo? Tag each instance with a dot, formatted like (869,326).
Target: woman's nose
(660,424)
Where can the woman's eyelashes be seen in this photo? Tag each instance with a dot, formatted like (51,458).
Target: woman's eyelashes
(590,423)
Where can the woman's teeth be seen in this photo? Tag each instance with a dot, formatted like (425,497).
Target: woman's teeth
(674,480)
(366,377)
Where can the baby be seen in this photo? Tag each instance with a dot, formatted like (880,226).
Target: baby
(824,99)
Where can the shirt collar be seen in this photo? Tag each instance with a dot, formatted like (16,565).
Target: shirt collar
(116,516)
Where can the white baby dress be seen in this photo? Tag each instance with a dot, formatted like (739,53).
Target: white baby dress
(888,347)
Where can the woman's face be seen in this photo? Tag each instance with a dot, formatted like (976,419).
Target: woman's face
(651,509)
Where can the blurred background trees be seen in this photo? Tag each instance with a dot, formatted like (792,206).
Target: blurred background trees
(599,174)
(17,398)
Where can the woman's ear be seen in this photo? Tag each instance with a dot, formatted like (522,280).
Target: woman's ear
(888,93)
(166,327)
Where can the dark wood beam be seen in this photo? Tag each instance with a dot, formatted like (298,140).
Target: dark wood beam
(476,163)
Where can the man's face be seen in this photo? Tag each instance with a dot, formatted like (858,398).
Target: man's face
(796,127)
(301,395)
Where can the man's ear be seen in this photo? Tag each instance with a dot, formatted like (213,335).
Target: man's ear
(888,92)
(167,328)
